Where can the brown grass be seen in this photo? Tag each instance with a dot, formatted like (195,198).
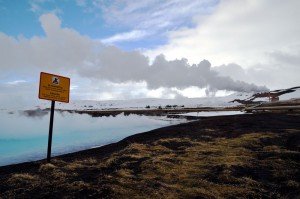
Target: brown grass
(22,178)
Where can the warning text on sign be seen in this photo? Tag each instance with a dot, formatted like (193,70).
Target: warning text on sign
(54,87)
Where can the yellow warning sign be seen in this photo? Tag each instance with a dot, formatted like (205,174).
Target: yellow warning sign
(54,87)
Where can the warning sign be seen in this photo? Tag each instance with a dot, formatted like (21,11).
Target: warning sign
(54,87)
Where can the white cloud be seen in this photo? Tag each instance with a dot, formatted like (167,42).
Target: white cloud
(126,36)
(101,71)
(34,7)
(38,7)
(18,94)
(153,16)
(81,3)
(61,49)
(256,34)
(16,82)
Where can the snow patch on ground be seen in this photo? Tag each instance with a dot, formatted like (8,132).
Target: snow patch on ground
(147,102)
(153,103)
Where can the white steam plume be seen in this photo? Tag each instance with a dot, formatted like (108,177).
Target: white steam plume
(119,66)
(64,49)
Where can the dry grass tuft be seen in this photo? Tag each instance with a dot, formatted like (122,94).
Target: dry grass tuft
(47,167)
(293,184)
(89,161)
(74,166)
(22,178)
(79,185)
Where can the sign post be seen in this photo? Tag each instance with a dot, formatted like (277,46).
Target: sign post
(50,131)
(55,88)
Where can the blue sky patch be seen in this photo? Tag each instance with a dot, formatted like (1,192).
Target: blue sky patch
(105,20)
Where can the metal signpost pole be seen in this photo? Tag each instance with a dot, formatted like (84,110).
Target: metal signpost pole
(50,131)
(55,88)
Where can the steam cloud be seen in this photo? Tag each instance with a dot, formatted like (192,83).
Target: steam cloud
(118,66)
(64,49)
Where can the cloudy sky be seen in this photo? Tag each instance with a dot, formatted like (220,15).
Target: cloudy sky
(123,49)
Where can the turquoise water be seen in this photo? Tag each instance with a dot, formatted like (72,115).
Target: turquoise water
(24,137)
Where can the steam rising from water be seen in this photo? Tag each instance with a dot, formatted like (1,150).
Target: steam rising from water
(24,135)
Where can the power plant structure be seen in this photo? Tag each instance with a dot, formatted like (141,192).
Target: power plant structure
(273,96)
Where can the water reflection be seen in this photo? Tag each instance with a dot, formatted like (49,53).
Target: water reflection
(23,136)
(212,113)
(34,113)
